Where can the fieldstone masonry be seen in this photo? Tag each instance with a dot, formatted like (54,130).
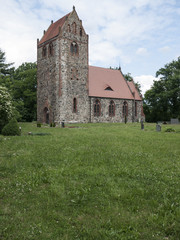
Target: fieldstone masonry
(62,79)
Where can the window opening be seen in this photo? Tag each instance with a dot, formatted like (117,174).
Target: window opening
(125,109)
(111,108)
(97,108)
(74,105)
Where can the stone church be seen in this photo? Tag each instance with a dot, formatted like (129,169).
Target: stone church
(70,90)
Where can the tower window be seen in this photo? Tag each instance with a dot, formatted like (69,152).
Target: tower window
(69,28)
(74,27)
(51,49)
(44,51)
(74,105)
(97,108)
(80,32)
(111,108)
(74,49)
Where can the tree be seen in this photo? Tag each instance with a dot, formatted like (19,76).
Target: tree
(162,101)
(24,90)
(6,108)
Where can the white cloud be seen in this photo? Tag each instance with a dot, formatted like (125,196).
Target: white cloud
(146,82)
(164,49)
(141,51)
(111,25)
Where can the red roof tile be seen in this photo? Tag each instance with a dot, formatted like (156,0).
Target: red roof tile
(101,78)
(133,89)
(53,29)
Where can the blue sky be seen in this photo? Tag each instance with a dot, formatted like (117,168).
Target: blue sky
(140,35)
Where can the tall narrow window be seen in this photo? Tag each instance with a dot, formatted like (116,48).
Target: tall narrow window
(74,49)
(74,105)
(44,51)
(51,49)
(69,28)
(74,27)
(97,108)
(111,108)
(135,109)
(125,109)
(80,32)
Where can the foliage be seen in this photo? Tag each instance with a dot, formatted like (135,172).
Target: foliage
(128,77)
(11,129)
(39,124)
(162,101)
(24,90)
(6,108)
(169,130)
(91,182)
(4,67)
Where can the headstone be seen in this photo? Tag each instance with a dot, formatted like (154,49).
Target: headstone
(174,121)
(158,128)
(142,125)
(62,124)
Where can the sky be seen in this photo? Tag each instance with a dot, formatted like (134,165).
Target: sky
(140,36)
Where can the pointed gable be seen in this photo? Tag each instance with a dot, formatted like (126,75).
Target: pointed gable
(53,29)
(101,78)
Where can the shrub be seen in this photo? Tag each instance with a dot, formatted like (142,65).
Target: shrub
(11,129)
(169,130)
(38,124)
(6,108)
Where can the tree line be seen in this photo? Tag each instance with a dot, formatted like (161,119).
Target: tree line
(161,102)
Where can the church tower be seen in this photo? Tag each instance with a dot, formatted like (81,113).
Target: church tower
(62,60)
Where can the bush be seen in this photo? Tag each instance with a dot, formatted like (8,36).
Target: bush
(38,124)
(11,129)
(170,130)
(6,108)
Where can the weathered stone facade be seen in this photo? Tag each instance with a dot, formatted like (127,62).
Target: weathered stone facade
(62,86)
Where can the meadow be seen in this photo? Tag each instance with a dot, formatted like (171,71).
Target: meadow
(90,181)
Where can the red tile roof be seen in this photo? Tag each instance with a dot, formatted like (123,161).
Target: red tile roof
(133,89)
(102,78)
(53,29)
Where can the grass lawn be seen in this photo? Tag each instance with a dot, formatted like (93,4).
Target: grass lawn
(95,181)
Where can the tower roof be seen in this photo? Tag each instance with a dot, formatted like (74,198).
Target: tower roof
(53,29)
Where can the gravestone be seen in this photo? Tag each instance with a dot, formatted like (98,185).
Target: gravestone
(158,128)
(142,125)
(174,121)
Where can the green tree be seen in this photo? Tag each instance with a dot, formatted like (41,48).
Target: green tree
(162,101)
(24,90)
(6,108)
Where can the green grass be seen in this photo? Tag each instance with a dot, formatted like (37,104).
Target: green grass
(96,181)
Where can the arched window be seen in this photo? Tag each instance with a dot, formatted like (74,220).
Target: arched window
(46,115)
(51,49)
(74,105)
(74,27)
(69,28)
(125,109)
(111,108)
(97,108)
(74,49)
(80,32)
(135,109)
(44,51)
